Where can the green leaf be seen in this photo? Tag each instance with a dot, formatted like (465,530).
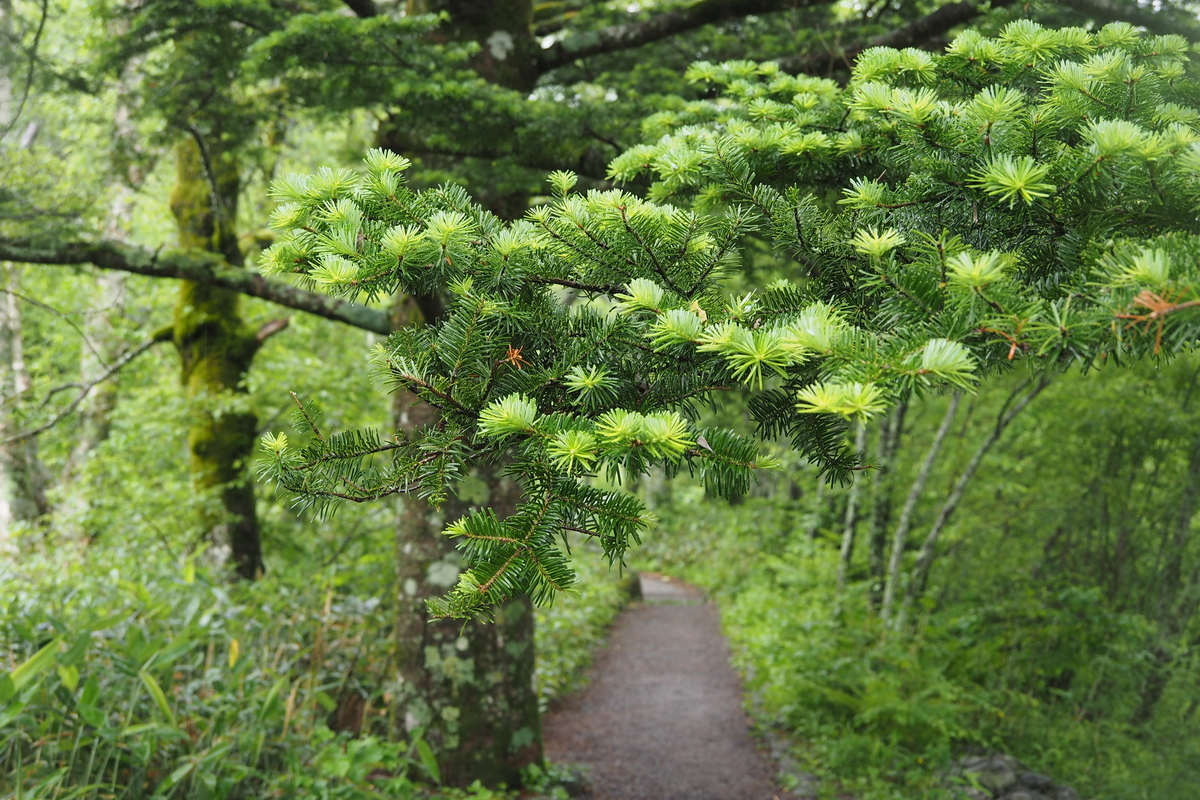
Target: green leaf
(428,760)
(160,697)
(38,663)
(69,676)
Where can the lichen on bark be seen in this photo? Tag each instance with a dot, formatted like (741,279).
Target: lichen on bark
(468,687)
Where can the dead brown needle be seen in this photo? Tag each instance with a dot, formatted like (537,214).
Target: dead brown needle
(514,357)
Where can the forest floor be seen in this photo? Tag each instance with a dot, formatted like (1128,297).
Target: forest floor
(662,716)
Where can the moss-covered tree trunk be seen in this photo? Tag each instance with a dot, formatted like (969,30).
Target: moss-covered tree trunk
(468,687)
(216,348)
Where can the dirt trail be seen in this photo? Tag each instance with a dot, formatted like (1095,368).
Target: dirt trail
(662,718)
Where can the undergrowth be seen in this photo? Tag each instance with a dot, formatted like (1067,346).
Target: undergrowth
(124,678)
(881,714)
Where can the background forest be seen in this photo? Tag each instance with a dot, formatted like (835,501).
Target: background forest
(1015,570)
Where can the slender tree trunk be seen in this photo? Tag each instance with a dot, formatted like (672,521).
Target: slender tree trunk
(900,538)
(216,348)
(23,476)
(881,501)
(1171,582)
(817,510)
(925,557)
(850,527)
(468,687)
(1175,598)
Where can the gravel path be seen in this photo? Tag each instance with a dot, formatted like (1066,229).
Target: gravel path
(662,718)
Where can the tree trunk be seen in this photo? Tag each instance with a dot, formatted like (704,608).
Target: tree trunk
(881,501)
(851,523)
(216,348)
(920,573)
(503,30)
(23,476)
(910,504)
(468,687)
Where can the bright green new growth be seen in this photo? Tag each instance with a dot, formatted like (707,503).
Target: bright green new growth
(1032,195)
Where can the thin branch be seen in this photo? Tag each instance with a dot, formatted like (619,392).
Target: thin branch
(84,391)
(54,311)
(271,328)
(920,573)
(910,505)
(199,267)
(850,528)
(915,33)
(37,38)
(635,34)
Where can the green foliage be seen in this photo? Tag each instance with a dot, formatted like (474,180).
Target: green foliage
(1028,177)
(564,391)
(163,684)
(159,681)
(1049,617)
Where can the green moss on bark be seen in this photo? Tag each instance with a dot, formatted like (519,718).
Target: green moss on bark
(216,348)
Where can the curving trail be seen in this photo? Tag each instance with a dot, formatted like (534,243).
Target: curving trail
(662,718)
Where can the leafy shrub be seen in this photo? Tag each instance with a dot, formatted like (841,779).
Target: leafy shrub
(173,684)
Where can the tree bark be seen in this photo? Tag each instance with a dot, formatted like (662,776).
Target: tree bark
(467,687)
(23,476)
(900,538)
(508,54)
(198,267)
(881,501)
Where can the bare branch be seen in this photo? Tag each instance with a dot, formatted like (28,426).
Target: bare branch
(271,328)
(84,391)
(55,312)
(635,34)
(915,33)
(199,267)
